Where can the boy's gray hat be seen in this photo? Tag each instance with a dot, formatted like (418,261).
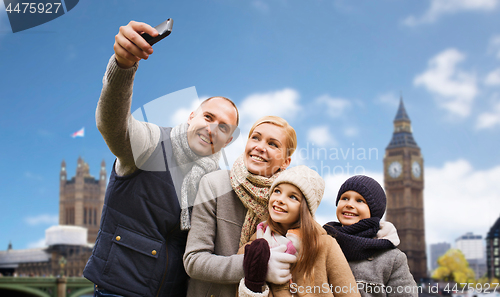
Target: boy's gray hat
(309,182)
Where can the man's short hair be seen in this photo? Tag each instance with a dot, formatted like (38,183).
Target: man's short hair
(227,99)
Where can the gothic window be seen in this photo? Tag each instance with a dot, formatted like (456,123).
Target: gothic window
(85,216)
(95,216)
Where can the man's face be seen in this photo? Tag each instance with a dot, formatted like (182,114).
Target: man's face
(211,126)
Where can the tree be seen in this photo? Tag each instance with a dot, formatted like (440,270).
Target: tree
(485,280)
(454,267)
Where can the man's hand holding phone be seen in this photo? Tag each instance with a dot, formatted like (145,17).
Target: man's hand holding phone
(133,41)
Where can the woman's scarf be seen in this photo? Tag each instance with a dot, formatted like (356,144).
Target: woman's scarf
(253,191)
(193,167)
(358,241)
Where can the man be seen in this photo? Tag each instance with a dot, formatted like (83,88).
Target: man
(145,218)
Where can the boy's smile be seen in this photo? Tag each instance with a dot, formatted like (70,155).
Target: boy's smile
(352,208)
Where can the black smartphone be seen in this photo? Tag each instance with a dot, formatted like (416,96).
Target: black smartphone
(164,29)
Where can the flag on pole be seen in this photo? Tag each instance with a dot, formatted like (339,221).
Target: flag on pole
(79,133)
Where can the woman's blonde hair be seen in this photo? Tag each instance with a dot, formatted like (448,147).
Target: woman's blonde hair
(290,135)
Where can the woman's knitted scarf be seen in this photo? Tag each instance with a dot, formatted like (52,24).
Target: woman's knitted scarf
(193,167)
(358,241)
(253,191)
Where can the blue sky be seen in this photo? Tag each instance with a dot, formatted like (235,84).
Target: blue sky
(334,69)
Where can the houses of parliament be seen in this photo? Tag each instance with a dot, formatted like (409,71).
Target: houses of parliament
(81,199)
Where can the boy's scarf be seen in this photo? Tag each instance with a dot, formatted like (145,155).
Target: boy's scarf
(358,241)
(253,191)
(193,167)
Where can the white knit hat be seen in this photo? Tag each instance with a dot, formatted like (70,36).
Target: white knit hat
(309,182)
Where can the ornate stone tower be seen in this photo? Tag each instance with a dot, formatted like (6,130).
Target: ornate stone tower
(81,199)
(404,185)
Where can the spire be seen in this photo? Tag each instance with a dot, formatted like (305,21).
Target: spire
(401,115)
(402,136)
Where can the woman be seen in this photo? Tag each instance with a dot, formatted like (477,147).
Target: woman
(230,204)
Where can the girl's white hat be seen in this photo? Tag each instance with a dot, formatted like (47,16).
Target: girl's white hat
(309,182)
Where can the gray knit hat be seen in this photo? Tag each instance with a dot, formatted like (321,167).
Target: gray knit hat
(370,189)
(309,182)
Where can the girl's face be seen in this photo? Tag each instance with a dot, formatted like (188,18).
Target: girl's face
(265,152)
(284,204)
(352,208)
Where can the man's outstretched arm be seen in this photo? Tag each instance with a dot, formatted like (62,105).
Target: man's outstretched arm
(113,117)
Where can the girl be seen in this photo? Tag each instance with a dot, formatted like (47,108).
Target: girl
(321,268)
(228,207)
(379,267)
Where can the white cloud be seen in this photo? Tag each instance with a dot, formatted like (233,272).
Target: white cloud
(323,219)
(282,103)
(453,88)
(351,131)
(439,8)
(494,46)
(493,78)
(389,98)
(489,119)
(43,219)
(321,136)
(181,115)
(335,106)
(460,199)
(37,244)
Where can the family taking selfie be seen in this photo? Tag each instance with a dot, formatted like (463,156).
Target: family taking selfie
(175,224)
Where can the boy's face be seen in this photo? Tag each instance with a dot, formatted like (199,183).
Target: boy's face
(352,208)
(284,204)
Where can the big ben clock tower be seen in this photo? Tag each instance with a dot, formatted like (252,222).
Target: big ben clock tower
(404,185)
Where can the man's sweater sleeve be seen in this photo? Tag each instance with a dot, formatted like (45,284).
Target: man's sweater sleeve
(119,129)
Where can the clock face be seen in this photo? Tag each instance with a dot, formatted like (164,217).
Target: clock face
(63,177)
(415,169)
(395,169)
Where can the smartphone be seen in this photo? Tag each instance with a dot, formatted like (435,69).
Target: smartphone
(164,29)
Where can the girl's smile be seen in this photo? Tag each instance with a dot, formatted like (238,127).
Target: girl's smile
(284,204)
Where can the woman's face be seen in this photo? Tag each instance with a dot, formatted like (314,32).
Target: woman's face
(265,152)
